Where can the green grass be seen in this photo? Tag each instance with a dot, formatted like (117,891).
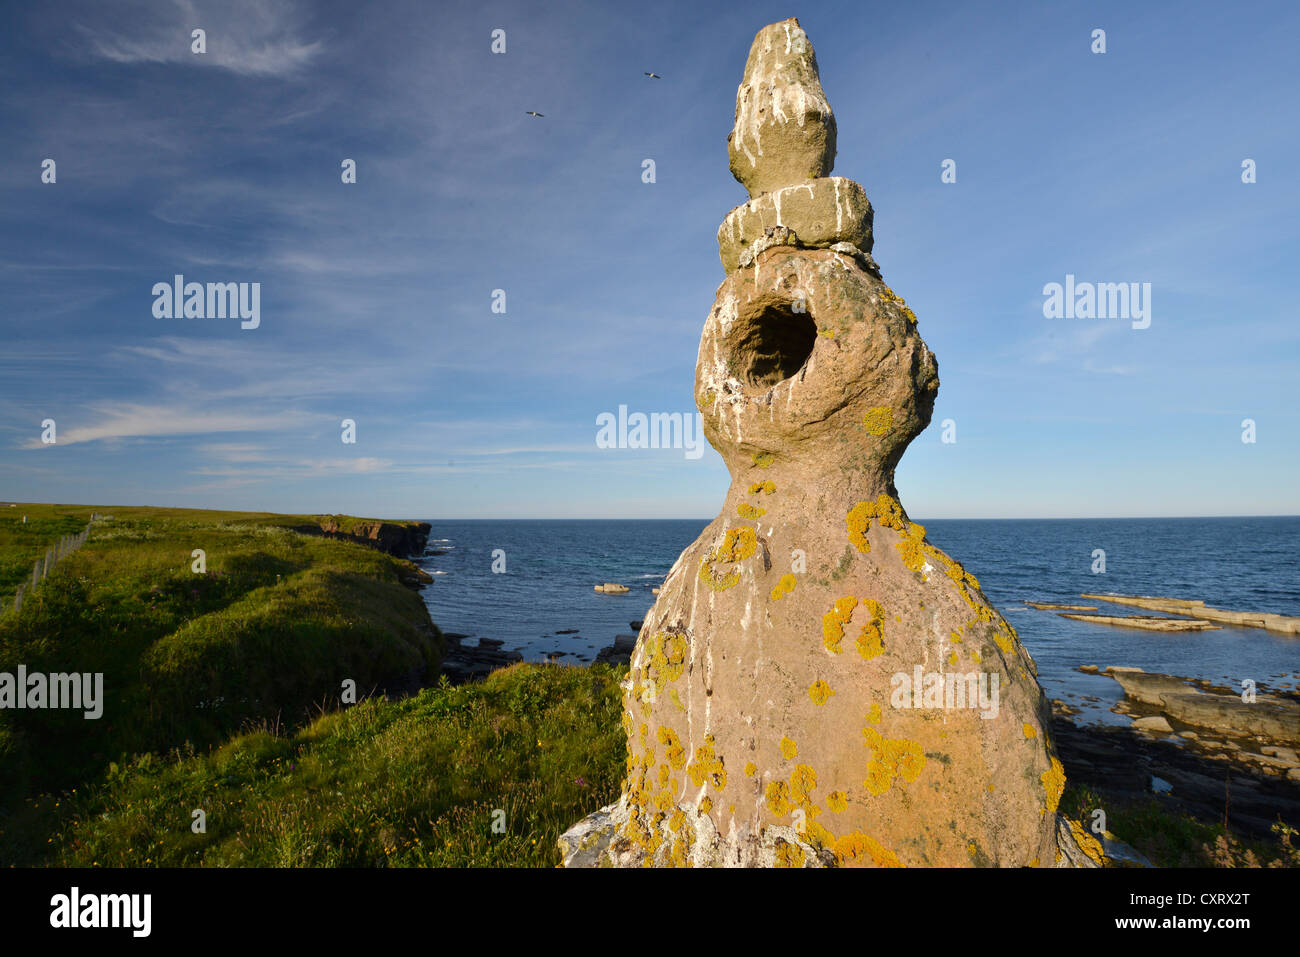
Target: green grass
(268,632)
(414,782)
(1170,838)
(21,544)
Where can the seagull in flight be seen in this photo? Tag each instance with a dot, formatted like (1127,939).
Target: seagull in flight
(533,113)
(654,76)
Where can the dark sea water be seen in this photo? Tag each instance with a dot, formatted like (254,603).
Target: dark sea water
(1238,563)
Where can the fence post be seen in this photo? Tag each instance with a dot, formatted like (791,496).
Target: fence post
(36,573)
(18,599)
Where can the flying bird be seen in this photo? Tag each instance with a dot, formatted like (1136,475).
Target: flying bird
(532,113)
(654,76)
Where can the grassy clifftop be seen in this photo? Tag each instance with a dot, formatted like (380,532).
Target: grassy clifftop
(267,629)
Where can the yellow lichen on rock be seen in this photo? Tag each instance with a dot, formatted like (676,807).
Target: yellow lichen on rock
(789,855)
(737,545)
(890,296)
(820,692)
(890,758)
(707,766)
(833,622)
(676,754)
(879,420)
(789,750)
(777,797)
(912,548)
(856,845)
(802,783)
(1087,843)
(859,522)
(887,513)
(665,659)
(710,578)
(749,512)
(1053,784)
(871,640)
(784,587)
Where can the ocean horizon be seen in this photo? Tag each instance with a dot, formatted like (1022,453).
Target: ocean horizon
(1239,562)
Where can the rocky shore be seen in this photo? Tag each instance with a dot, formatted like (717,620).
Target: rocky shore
(463,662)
(1206,751)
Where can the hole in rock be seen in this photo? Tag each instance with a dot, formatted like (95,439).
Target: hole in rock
(774,345)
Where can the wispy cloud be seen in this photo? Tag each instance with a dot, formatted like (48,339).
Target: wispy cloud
(137,420)
(248,37)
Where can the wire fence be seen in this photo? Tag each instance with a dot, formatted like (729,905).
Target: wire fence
(43,566)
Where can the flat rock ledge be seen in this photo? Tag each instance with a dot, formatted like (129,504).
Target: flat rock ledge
(1283,624)
(1145,622)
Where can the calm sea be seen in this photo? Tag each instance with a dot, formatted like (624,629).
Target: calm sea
(1239,563)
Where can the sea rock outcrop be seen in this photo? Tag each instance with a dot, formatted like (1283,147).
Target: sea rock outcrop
(401,539)
(1274,719)
(463,663)
(817,684)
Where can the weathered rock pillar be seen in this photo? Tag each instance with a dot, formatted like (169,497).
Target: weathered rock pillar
(817,684)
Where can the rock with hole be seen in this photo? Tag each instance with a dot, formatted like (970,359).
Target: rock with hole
(817,684)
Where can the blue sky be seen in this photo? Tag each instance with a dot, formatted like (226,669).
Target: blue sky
(376,297)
